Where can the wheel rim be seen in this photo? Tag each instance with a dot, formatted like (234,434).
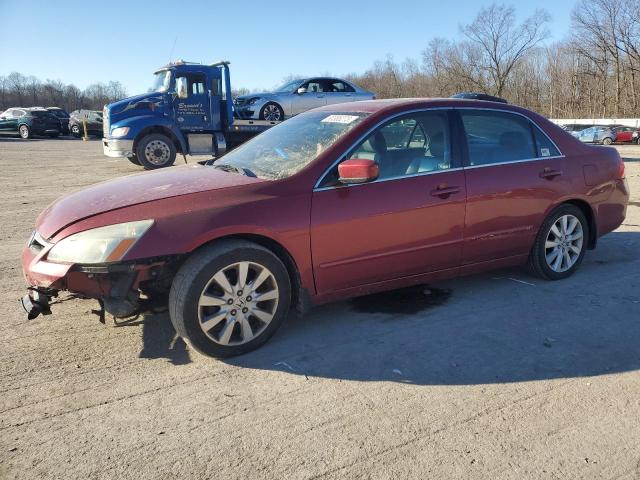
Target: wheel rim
(24,131)
(271,112)
(157,152)
(564,243)
(238,303)
(75,129)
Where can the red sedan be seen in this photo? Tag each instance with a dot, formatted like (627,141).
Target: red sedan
(341,201)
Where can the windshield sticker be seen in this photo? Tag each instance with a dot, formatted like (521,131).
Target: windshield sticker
(545,152)
(340,118)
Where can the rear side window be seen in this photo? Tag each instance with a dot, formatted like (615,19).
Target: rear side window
(497,137)
(543,145)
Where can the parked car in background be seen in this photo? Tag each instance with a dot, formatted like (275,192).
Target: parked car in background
(61,115)
(28,122)
(575,128)
(604,135)
(298,96)
(626,134)
(341,201)
(94,122)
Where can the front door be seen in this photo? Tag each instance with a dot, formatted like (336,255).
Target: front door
(514,174)
(407,222)
(9,121)
(193,114)
(313,97)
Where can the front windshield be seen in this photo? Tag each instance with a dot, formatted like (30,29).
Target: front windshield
(161,81)
(287,148)
(288,87)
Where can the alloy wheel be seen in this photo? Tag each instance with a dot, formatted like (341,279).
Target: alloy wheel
(238,303)
(271,112)
(564,243)
(24,131)
(157,152)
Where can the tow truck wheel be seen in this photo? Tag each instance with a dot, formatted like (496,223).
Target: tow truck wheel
(24,132)
(229,298)
(134,159)
(156,151)
(272,111)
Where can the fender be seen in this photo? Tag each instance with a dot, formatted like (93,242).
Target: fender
(141,123)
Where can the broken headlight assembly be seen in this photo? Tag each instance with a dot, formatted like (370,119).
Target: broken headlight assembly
(99,245)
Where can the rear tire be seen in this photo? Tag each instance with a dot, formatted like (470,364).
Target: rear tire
(25,132)
(569,242)
(223,322)
(607,141)
(156,151)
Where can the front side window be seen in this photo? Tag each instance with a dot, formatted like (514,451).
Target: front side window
(195,83)
(414,144)
(287,148)
(497,137)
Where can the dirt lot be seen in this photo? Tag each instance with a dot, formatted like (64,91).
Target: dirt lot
(492,376)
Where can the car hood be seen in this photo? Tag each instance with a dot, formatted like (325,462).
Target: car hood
(133,190)
(255,95)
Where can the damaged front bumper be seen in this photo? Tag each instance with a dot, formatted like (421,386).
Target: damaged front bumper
(123,289)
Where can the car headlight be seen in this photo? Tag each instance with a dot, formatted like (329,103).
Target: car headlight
(119,132)
(253,101)
(99,245)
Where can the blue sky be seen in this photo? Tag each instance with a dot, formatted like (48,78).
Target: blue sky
(84,42)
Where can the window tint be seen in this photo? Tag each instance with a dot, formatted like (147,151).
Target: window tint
(543,145)
(314,86)
(415,144)
(338,86)
(195,83)
(496,137)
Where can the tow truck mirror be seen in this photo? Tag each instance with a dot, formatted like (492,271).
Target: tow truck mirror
(181,87)
(301,90)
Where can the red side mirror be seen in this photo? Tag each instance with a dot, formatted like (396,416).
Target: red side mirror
(358,170)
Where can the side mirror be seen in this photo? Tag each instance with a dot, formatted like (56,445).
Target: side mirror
(301,90)
(357,170)
(181,87)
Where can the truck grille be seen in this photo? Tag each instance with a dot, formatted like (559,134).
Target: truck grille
(105,121)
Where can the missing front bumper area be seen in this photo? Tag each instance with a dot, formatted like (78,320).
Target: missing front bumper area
(37,302)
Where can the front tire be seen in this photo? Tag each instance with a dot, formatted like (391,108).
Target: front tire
(156,151)
(25,132)
(134,159)
(560,244)
(230,298)
(272,111)
(75,131)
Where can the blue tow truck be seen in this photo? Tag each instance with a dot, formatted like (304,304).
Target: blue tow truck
(189,111)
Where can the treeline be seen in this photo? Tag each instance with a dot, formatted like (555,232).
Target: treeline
(593,72)
(17,90)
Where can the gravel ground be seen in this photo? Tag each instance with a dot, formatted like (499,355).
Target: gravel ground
(492,376)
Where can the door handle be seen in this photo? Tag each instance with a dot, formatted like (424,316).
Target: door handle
(443,191)
(550,174)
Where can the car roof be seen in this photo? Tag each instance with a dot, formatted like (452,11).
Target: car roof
(399,104)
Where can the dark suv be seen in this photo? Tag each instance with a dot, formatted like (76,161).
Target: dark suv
(63,116)
(28,122)
(94,122)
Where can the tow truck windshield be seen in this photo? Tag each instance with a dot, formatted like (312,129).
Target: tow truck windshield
(161,81)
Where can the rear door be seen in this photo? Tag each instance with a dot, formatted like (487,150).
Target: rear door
(339,91)
(514,173)
(407,222)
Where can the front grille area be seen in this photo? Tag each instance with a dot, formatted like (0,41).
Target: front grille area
(105,121)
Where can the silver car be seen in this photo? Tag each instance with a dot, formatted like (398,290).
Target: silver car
(296,97)
(596,134)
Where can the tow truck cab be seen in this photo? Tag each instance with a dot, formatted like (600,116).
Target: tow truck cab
(189,110)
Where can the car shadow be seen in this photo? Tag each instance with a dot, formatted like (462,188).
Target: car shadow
(159,340)
(502,326)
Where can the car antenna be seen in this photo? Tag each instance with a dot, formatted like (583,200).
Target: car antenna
(172,47)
